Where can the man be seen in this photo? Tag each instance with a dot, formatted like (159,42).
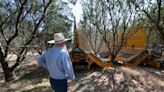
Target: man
(57,61)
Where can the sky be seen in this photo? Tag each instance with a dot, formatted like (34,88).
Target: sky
(77,11)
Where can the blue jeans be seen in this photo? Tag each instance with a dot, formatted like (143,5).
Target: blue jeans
(59,85)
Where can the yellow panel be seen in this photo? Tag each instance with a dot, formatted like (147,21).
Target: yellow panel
(97,61)
(137,38)
(155,62)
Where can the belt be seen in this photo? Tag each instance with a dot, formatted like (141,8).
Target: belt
(57,79)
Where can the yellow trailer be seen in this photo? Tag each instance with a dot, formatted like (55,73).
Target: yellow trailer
(134,51)
(82,59)
(131,55)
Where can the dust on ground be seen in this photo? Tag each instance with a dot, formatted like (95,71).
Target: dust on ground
(32,78)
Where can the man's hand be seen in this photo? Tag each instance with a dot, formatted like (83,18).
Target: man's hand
(70,82)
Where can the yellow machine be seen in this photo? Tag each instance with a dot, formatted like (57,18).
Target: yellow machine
(134,51)
(82,59)
(131,55)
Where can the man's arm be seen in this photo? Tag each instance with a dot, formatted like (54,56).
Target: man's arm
(67,66)
(41,60)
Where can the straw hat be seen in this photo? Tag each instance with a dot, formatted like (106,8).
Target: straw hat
(58,38)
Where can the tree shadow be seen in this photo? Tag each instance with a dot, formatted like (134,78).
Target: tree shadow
(158,73)
(35,78)
(115,80)
(93,80)
(39,89)
(34,74)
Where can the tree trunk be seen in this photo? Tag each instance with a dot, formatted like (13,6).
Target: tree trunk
(160,30)
(8,73)
(113,58)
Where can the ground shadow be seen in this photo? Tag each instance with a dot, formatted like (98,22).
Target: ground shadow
(115,80)
(35,74)
(39,89)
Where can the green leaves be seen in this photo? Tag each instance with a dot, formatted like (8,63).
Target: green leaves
(1,5)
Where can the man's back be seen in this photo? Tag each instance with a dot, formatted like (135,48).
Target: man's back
(57,62)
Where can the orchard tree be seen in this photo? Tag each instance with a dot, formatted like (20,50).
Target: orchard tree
(16,18)
(26,23)
(152,11)
(113,19)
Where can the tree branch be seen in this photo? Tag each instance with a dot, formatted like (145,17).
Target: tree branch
(16,28)
(159,11)
(23,51)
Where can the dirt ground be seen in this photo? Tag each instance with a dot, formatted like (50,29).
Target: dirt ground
(32,78)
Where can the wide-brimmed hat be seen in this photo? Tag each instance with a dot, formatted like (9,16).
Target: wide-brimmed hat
(58,38)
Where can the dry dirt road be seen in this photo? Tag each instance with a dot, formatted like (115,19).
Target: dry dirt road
(32,78)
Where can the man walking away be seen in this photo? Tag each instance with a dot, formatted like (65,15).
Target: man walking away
(57,61)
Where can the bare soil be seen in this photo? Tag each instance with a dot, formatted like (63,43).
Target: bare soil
(32,78)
